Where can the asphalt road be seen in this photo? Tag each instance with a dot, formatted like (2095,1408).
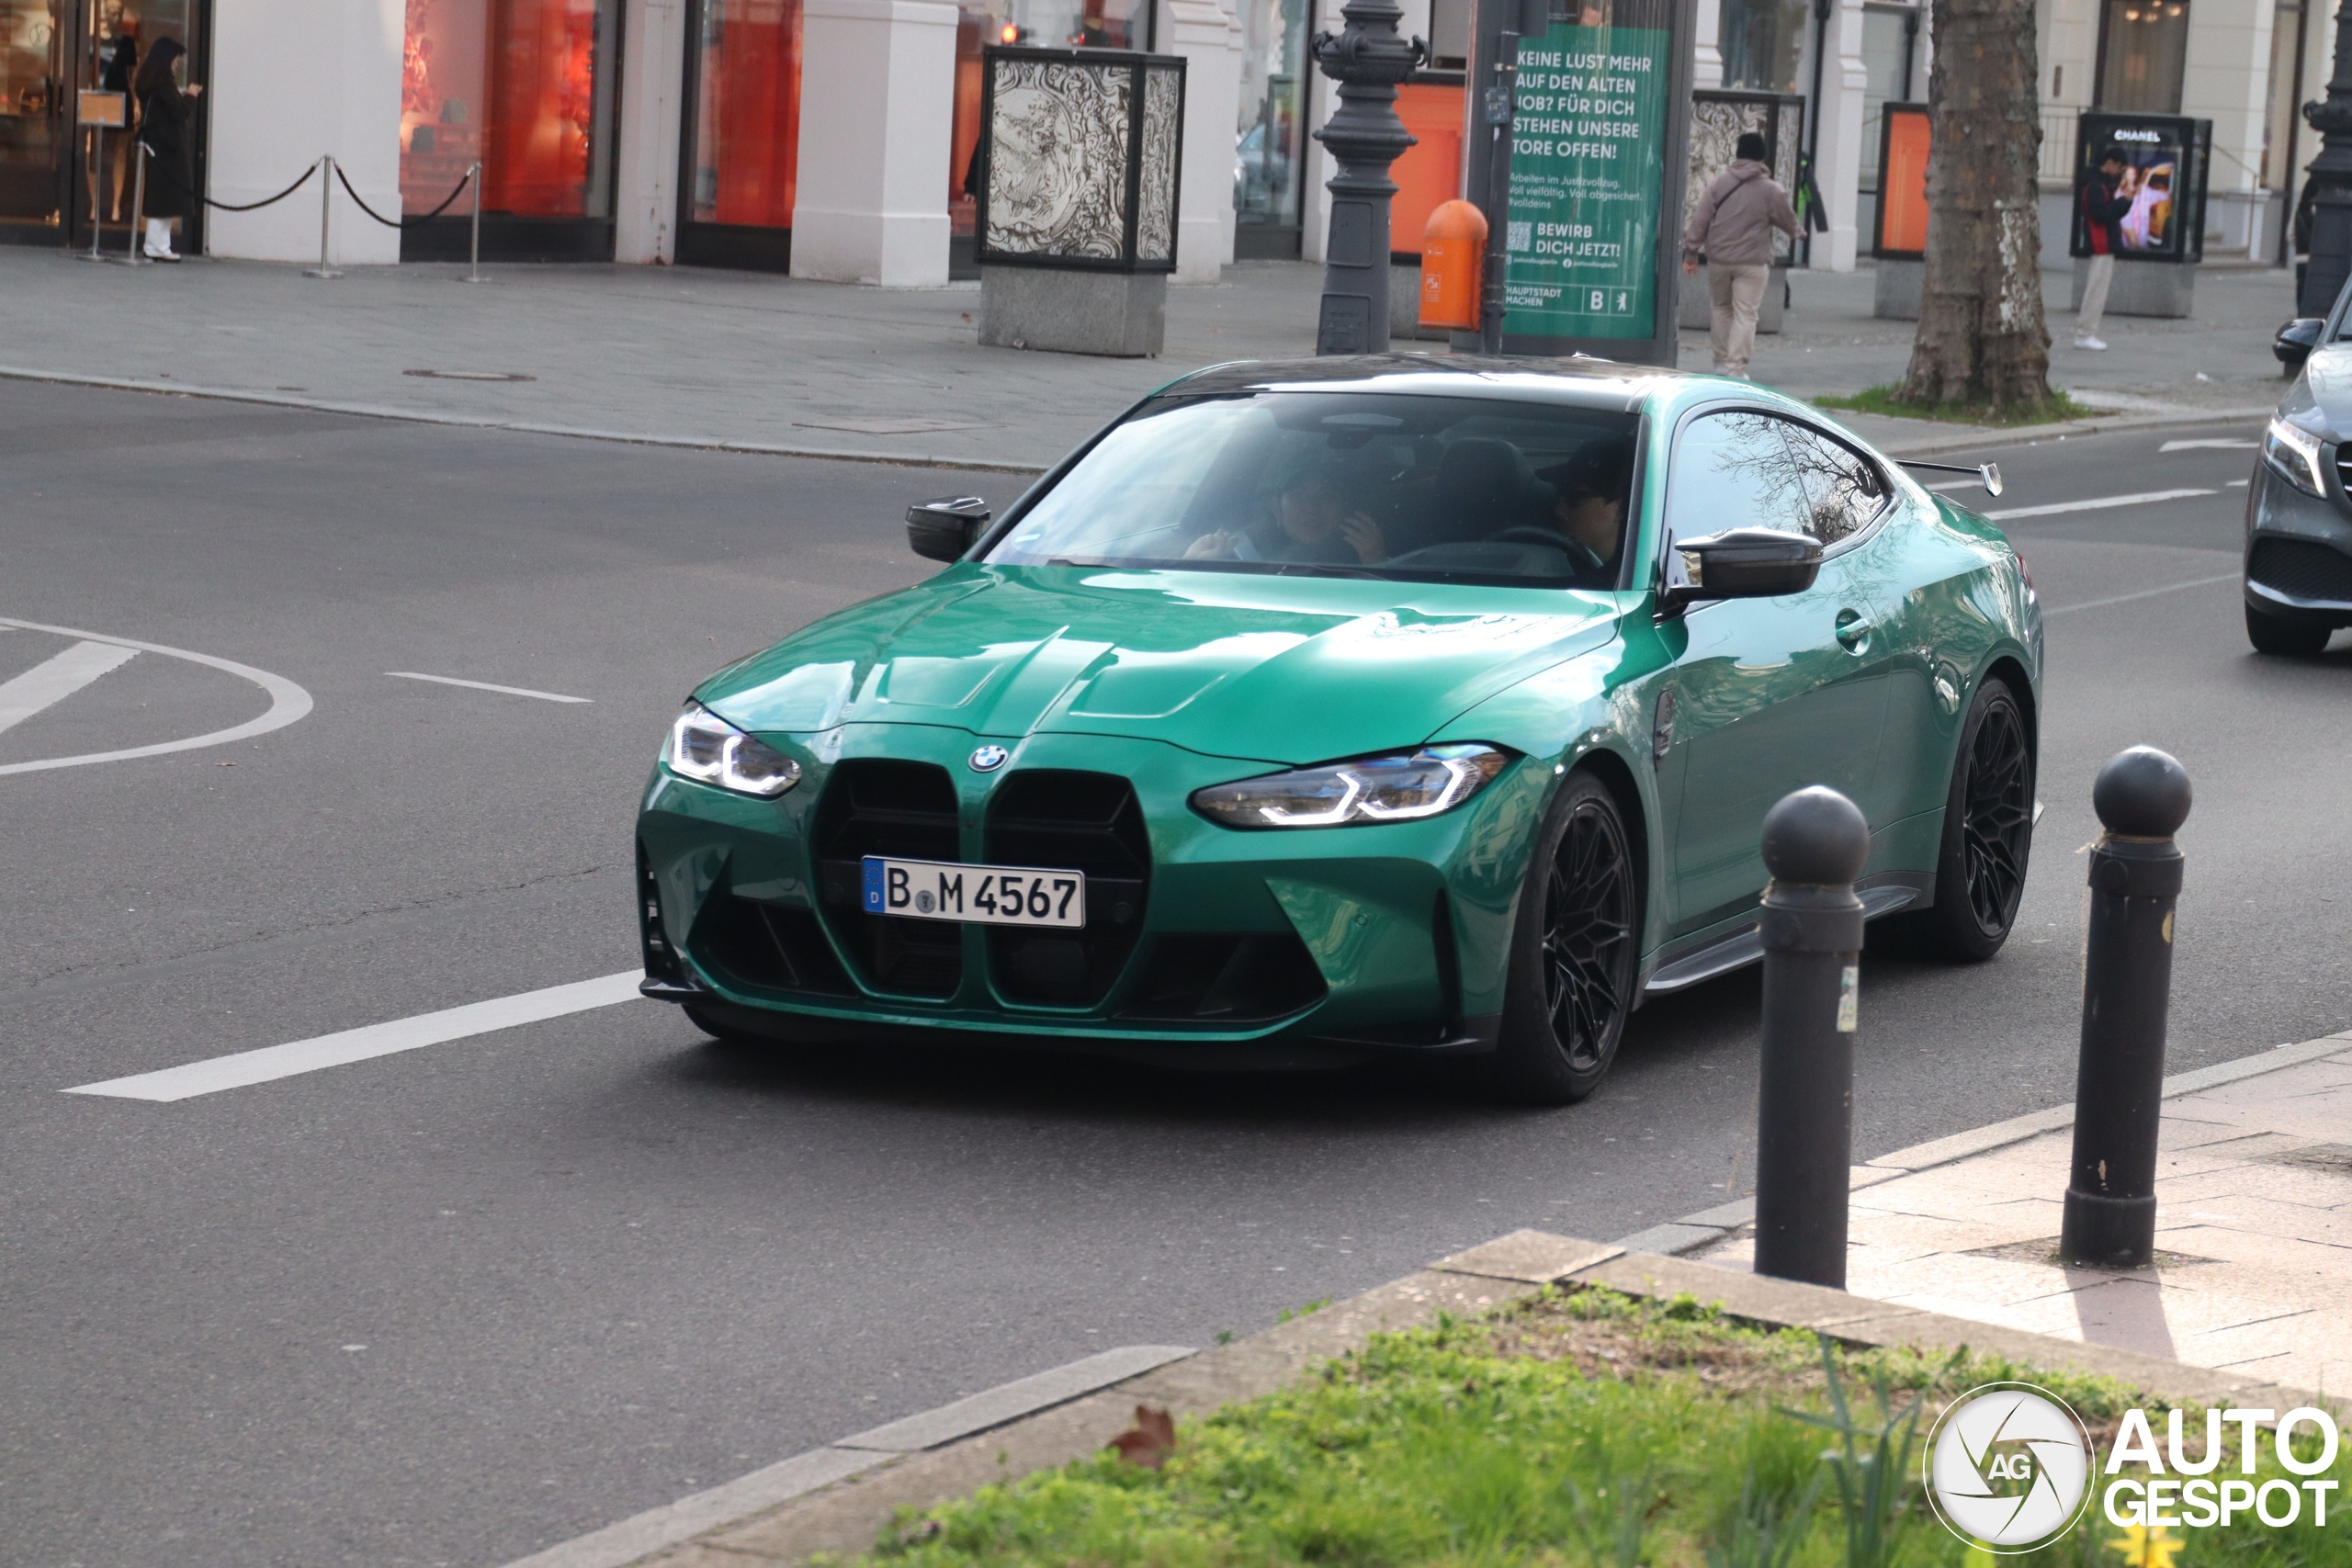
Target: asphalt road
(452,1305)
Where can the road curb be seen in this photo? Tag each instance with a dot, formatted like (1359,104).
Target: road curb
(1676,1238)
(527,427)
(846,1515)
(1938,437)
(1943,437)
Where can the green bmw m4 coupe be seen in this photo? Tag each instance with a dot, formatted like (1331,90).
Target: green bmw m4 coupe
(1325,708)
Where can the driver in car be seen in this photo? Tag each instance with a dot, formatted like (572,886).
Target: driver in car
(1589,506)
(1311,524)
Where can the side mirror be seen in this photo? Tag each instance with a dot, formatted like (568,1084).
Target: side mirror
(946,529)
(2296,339)
(1746,563)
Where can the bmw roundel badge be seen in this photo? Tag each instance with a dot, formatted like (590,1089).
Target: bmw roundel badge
(988,759)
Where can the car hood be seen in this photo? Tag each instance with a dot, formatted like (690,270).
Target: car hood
(1279,669)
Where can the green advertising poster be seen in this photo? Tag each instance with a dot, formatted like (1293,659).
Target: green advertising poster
(1588,163)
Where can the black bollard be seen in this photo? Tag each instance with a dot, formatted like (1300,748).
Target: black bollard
(1815,841)
(2142,798)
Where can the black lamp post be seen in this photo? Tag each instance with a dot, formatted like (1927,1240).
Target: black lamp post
(2330,190)
(1367,59)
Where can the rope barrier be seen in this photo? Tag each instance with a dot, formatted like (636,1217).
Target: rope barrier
(164,170)
(463,181)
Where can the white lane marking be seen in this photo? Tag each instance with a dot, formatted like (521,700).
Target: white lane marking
(2143,593)
(2237,484)
(287,703)
(1953,484)
(2218,444)
(55,679)
(245,1068)
(2097,503)
(486,686)
(643,1534)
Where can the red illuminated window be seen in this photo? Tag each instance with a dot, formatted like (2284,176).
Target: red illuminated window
(747,112)
(526,87)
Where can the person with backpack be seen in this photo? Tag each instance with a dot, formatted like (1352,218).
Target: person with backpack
(1731,231)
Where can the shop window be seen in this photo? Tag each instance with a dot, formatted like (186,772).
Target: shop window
(1888,34)
(747,113)
(2144,48)
(1763,44)
(526,87)
(1269,142)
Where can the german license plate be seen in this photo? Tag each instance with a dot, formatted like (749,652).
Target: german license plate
(981,894)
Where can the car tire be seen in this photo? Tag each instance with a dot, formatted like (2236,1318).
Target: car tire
(1574,952)
(1987,836)
(2278,635)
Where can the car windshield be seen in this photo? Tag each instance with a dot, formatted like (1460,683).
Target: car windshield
(1345,484)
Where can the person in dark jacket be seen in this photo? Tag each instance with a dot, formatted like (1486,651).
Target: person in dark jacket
(2103,195)
(165,112)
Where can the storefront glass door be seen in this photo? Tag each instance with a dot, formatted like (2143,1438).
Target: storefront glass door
(1270,146)
(527,87)
(36,122)
(741,149)
(54,173)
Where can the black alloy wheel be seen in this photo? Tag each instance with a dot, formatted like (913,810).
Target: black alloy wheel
(1988,831)
(1573,953)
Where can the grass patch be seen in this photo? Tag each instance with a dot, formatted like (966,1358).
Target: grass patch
(1579,1430)
(2060,405)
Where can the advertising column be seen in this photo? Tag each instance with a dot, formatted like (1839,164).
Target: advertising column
(1593,237)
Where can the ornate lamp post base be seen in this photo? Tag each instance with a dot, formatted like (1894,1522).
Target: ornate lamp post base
(1367,59)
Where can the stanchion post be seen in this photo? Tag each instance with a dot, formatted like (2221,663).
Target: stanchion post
(473,263)
(1816,843)
(98,184)
(130,256)
(326,207)
(2142,796)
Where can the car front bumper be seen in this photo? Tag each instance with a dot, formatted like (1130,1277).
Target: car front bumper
(2297,560)
(1387,936)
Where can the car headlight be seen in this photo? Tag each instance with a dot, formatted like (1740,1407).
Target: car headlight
(706,748)
(1400,787)
(2294,451)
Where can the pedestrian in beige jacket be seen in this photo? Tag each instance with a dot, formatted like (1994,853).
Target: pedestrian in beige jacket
(1733,229)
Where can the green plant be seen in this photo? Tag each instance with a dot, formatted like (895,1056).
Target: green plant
(1871,1464)
(1610,1519)
(1767,1527)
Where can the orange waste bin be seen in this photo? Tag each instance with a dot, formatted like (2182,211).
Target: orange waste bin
(1454,256)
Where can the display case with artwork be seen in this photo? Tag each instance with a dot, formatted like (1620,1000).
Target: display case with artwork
(2160,163)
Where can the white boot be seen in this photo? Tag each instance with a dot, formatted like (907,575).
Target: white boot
(159,241)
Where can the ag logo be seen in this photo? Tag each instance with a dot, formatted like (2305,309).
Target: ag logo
(2009,1465)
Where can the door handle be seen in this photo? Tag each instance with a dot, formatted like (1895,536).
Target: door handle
(1853,630)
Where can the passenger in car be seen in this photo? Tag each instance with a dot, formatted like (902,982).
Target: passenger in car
(1311,523)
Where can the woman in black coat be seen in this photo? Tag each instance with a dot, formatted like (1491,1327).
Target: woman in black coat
(163,115)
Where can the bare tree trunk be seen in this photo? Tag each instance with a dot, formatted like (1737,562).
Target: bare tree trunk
(1981,336)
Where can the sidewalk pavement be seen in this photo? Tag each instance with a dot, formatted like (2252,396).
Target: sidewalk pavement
(752,361)
(2253,1226)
